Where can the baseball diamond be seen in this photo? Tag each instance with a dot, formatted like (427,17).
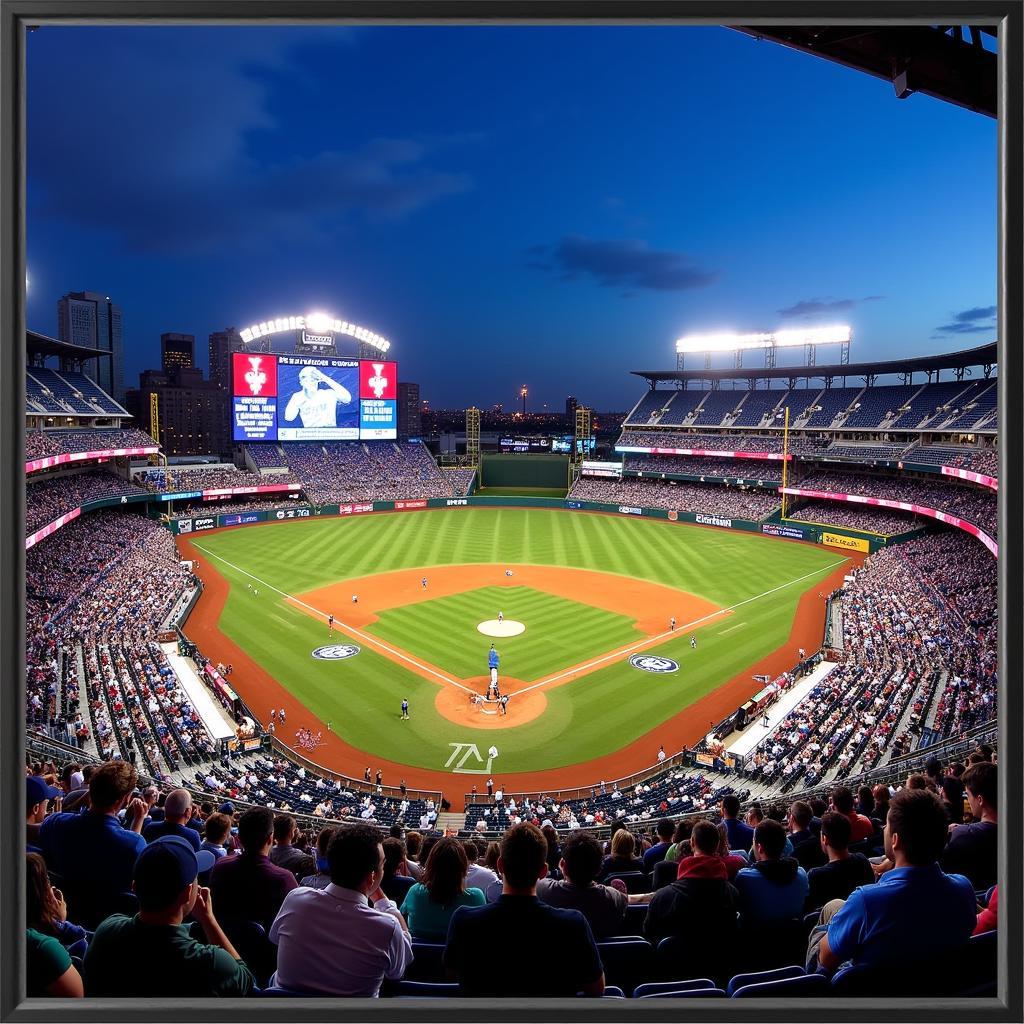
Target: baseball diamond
(594,591)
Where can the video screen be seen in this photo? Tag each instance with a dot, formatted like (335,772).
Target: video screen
(313,398)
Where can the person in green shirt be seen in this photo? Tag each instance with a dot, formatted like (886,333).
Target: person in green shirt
(681,834)
(153,953)
(429,905)
(49,970)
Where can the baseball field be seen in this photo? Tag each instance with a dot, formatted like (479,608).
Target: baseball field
(597,677)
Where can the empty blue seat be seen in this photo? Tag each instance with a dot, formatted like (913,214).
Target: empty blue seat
(427,962)
(758,977)
(659,988)
(627,963)
(798,987)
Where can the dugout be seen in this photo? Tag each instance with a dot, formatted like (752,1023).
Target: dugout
(510,473)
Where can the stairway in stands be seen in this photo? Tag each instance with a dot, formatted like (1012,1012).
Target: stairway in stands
(454,820)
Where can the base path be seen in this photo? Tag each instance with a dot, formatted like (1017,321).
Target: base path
(262,691)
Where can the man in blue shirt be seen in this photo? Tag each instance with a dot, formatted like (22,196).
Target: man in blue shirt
(177,813)
(657,852)
(37,804)
(491,949)
(914,912)
(775,888)
(92,851)
(741,836)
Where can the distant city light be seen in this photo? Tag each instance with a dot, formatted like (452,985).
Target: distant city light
(727,342)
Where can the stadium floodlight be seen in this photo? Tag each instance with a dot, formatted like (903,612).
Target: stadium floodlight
(726,342)
(316,323)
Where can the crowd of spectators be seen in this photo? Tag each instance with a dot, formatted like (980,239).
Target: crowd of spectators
(696,465)
(738,442)
(885,522)
(187,478)
(978,505)
(49,499)
(243,504)
(460,479)
(979,460)
(42,443)
(228,901)
(709,499)
(356,471)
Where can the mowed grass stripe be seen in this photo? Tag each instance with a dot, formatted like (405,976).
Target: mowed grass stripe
(585,718)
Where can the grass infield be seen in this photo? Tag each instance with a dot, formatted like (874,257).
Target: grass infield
(760,579)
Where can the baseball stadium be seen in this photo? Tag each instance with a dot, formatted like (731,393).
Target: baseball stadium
(761,600)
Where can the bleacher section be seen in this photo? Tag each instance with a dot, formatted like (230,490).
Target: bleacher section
(716,407)
(979,404)
(682,407)
(649,407)
(927,402)
(827,406)
(879,404)
(58,394)
(757,405)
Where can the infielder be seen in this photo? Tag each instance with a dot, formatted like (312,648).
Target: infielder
(423,583)
(330,624)
(405,711)
(693,643)
(672,623)
(501,618)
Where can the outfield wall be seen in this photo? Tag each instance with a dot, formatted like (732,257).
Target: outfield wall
(524,471)
(808,532)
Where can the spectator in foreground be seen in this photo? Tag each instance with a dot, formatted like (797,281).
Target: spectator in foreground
(218,828)
(860,826)
(397,880)
(914,906)
(153,954)
(807,849)
(700,899)
(972,849)
(92,851)
(602,906)
(177,815)
(844,870)
(478,875)
(988,917)
(775,888)
(48,967)
(346,939)
(741,836)
(284,853)
(491,949)
(322,878)
(37,806)
(429,904)
(666,829)
(249,887)
(45,909)
(622,859)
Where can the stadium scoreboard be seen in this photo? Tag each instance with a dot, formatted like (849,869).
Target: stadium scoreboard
(312,398)
(557,445)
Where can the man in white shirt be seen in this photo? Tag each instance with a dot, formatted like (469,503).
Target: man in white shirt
(331,941)
(477,875)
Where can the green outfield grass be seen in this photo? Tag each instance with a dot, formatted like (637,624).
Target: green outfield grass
(558,632)
(586,718)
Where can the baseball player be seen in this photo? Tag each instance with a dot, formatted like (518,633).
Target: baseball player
(504,703)
(281,713)
(501,617)
(423,583)
(693,643)
(405,711)
(672,623)
(330,624)
(355,599)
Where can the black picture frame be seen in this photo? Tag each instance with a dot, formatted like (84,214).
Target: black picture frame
(15,15)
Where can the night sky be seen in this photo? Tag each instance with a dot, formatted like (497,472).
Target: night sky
(550,206)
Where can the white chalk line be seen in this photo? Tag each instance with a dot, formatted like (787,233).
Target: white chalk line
(739,625)
(372,641)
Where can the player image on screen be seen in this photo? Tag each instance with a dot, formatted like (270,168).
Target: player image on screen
(316,407)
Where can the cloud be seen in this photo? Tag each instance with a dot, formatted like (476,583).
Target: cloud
(807,308)
(629,263)
(191,154)
(969,321)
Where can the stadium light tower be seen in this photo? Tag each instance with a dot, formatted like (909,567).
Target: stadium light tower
(523,392)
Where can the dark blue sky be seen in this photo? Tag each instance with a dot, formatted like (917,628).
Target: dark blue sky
(552,206)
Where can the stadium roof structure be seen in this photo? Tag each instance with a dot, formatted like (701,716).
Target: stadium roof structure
(949,62)
(983,356)
(43,345)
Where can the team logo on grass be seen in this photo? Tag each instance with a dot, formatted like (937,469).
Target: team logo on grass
(653,663)
(336,652)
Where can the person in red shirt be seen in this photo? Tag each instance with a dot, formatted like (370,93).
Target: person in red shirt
(988,918)
(860,826)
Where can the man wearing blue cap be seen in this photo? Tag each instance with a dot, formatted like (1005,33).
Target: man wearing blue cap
(153,953)
(37,806)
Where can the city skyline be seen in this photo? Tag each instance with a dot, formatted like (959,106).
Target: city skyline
(559,229)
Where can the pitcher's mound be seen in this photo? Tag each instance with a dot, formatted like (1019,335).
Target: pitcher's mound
(492,627)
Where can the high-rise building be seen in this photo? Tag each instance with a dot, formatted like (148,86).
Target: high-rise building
(222,344)
(193,411)
(177,351)
(91,319)
(410,423)
(571,405)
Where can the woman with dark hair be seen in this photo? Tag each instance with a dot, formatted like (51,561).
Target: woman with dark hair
(491,855)
(680,836)
(865,802)
(881,795)
(429,905)
(554,851)
(45,909)
(322,877)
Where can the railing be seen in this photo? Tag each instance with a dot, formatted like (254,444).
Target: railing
(358,785)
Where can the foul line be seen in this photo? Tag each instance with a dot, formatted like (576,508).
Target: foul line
(670,632)
(369,640)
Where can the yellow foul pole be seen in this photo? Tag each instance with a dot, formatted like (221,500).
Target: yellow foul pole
(785,461)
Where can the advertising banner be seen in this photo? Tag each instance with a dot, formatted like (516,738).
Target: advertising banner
(107,453)
(631,510)
(254,397)
(725,524)
(836,540)
(421,503)
(204,523)
(349,510)
(782,530)
(640,450)
(966,474)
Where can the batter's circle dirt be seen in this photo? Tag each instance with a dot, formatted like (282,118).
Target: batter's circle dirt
(455,705)
(262,692)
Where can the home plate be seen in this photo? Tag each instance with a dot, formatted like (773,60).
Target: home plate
(492,627)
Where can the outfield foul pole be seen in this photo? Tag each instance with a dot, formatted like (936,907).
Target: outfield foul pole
(785,461)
